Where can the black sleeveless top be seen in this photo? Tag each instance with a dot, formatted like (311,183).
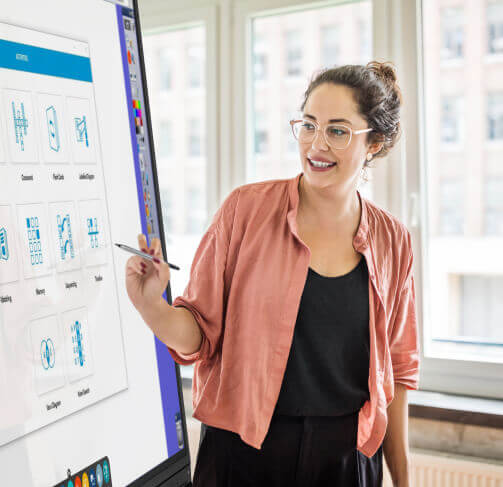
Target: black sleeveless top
(328,367)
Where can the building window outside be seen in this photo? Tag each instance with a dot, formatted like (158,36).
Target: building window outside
(494,206)
(495,116)
(261,134)
(194,137)
(165,139)
(451,207)
(259,58)
(463,227)
(330,45)
(167,210)
(195,73)
(495,27)
(450,129)
(294,54)
(165,69)
(452,33)
(195,211)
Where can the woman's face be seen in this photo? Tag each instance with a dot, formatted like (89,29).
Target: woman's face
(334,102)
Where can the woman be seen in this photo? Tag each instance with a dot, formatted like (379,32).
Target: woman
(299,313)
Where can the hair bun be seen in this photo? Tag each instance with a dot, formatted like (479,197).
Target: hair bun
(386,71)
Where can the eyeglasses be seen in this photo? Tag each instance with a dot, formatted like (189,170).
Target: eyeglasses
(337,136)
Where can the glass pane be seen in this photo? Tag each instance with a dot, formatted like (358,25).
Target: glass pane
(464,180)
(175,62)
(287,49)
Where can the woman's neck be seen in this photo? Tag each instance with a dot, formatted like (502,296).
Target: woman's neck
(327,208)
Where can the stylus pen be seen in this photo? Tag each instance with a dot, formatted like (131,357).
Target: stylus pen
(127,248)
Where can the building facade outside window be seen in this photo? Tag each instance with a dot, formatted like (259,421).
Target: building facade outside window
(165,69)
(195,73)
(452,33)
(494,206)
(495,116)
(294,54)
(451,207)
(194,137)
(165,139)
(463,226)
(495,27)
(450,131)
(331,45)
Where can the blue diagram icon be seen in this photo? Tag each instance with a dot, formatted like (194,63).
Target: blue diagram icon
(20,124)
(92,231)
(34,242)
(47,354)
(65,236)
(53,128)
(79,358)
(4,245)
(81,130)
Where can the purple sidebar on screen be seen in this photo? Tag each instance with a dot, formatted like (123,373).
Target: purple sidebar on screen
(165,363)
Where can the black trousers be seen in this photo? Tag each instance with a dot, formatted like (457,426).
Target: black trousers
(298,451)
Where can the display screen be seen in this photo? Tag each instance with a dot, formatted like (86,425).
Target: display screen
(81,377)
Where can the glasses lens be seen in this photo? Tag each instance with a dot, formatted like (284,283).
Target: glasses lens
(304,130)
(338,136)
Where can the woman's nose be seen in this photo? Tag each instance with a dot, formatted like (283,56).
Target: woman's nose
(319,142)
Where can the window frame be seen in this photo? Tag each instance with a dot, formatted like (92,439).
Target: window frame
(462,377)
(399,179)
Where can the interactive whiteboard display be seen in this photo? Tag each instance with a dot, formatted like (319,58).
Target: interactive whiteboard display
(56,224)
(88,396)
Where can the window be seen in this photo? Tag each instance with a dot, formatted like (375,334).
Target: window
(194,137)
(451,207)
(495,115)
(293,48)
(167,211)
(196,212)
(165,142)
(495,27)
(330,45)
(453,33)
(259,58)
(462,275)
(180,133)
(165,69)
(450,130)
(290,144)
(261,134)
(494,206)
(304,41)
(195,55)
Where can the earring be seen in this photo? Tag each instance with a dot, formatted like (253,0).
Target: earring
(369,156)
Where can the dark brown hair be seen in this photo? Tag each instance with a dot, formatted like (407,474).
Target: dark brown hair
(376,93)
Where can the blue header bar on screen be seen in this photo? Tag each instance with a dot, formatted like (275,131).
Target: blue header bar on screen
(23,57)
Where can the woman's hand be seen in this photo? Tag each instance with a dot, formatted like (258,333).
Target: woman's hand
(146,281)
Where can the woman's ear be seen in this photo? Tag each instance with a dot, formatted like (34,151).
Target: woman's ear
(375,147)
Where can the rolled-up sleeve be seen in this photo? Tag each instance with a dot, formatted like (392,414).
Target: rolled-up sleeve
(204,295)
(404,338)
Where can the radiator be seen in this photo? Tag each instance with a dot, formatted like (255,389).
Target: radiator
(438,470)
